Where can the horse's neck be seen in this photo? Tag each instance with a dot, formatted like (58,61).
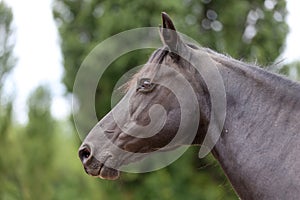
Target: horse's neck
(260,145)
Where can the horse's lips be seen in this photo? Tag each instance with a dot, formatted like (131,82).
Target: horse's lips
(108,173)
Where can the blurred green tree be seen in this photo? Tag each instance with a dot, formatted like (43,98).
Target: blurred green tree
(7,62)
(9,181)
(250,30)
(292,70)
(38,146)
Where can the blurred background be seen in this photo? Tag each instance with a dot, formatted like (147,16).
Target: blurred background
(42,45)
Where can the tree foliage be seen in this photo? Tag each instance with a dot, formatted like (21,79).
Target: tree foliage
(38,145)
(292,70)
(244,29)
(249,30)
(6,65)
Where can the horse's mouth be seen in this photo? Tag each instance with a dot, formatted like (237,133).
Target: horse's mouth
(108,173)
(98,169)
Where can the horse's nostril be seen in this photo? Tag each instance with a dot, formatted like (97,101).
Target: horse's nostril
(84,153)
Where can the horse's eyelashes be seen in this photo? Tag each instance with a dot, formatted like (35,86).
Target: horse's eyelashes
(145,85)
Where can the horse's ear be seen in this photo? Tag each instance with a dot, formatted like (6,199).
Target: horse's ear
(167,22)
(168,33)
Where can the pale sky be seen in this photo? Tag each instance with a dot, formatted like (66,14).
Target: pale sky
(292,51)
(40,61)
(38,53)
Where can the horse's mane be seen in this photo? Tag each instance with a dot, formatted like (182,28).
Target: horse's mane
(159,54)
(249,69)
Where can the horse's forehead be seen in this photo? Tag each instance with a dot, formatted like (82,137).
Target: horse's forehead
(158,57)
(156,54)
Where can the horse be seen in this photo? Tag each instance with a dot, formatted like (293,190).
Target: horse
(258,142)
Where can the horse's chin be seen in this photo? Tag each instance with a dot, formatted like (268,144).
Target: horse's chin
(108,173)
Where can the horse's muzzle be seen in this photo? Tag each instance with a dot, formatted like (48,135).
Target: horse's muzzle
(94,167)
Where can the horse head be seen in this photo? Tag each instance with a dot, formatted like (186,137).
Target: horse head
(151,114)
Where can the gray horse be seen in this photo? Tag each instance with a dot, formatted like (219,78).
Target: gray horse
(259,143)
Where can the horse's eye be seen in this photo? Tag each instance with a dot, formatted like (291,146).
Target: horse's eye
(145,85)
